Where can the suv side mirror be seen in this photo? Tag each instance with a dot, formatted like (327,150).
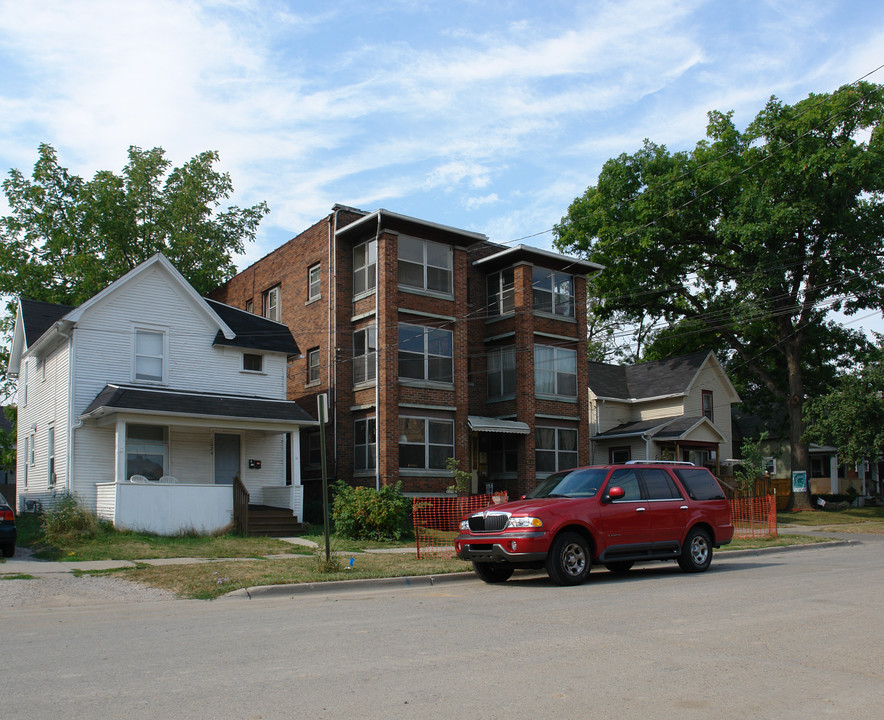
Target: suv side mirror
(614,493)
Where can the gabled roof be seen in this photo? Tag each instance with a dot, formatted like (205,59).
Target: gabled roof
(676,427)
(661,378)
(253,332)
(39,317)
(187,403)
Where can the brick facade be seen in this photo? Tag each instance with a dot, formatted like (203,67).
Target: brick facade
(328,324)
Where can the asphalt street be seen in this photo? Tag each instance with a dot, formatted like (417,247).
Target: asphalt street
(783,635)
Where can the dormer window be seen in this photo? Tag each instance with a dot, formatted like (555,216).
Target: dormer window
(708,411)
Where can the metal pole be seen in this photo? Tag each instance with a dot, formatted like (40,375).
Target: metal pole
(322,412)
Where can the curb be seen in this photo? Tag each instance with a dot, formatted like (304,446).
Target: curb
(421,581)
(724,554)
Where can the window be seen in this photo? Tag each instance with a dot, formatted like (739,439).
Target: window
(365,267)
(271,304)
(555,371)
(619,455)
(31,452)
(425,443)
(250,306)
(313,366)
(501,292)
(628,480)
(700,483)
(364,444)
(659,485)
(365,347)
(553,292)
(150,355)
(426,353)
(314,450)
(556,449)
(425,265)
(50,452)
(770,466)
(252,362)
(707,405)
(501,375)
(147,451)
(314,283)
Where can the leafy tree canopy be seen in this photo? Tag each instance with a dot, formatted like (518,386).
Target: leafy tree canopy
(66,238)
(851,416)
(748,240)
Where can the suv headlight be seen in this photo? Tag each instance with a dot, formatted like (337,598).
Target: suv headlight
(525,522)
(464,525)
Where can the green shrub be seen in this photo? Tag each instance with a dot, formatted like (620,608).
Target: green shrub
(363,513)
(68,518)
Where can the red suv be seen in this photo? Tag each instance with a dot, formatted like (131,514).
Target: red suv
(612,514)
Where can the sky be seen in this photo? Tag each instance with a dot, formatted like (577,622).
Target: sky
(490,116)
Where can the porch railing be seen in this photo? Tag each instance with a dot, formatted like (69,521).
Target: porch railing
(240,506)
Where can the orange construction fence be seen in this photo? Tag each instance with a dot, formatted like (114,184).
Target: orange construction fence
(437,520)
(754,517)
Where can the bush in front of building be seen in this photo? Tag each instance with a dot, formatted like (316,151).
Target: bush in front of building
(363,513)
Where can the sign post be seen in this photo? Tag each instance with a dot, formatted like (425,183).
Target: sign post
(322,415)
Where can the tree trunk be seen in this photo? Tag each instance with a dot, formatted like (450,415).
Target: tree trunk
(800,457)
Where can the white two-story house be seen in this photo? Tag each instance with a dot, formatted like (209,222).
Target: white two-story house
(155,406)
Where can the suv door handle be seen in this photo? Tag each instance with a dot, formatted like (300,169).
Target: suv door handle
(683,507)
(639,509)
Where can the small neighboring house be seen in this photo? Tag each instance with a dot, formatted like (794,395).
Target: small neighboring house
(151,404)
(673,409)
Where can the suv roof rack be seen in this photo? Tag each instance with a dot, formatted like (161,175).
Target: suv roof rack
(658,462)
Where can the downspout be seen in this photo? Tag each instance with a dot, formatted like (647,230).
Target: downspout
(333,327)
(377,352)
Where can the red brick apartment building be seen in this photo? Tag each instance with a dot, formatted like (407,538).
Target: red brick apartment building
(431,342)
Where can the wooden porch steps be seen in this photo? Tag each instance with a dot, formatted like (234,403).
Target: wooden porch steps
(272,521)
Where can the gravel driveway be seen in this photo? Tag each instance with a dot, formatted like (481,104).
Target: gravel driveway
(67,590)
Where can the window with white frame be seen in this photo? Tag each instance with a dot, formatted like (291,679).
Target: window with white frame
(425,443)
(271,304)
(555,371)
(425,265)
(50,454)
(364,444)
(150,355)
(553,292)
(365,267)
(365,347)
(313,366)
(501,373)
(501,292)
(314,282)
(426,353)
(250,306)
(147,451)
(27,449)
(556,449)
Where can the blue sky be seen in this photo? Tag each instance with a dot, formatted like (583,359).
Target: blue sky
(488,116)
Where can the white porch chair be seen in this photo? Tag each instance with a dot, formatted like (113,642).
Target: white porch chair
(168,479)
(138,479)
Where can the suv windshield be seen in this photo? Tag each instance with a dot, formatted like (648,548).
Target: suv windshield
(571,483)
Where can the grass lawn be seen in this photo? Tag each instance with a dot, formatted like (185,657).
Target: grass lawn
(827,518)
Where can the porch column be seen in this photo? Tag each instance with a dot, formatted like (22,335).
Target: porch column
(120,454)
(295,457)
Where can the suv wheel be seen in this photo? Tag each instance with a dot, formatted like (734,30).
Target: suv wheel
(9,550)
(568,560)
(696,553)
(493,572)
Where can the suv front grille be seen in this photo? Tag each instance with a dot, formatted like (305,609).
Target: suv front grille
(493,522)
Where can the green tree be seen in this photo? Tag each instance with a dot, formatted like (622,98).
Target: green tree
(748,240)
(851,416)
